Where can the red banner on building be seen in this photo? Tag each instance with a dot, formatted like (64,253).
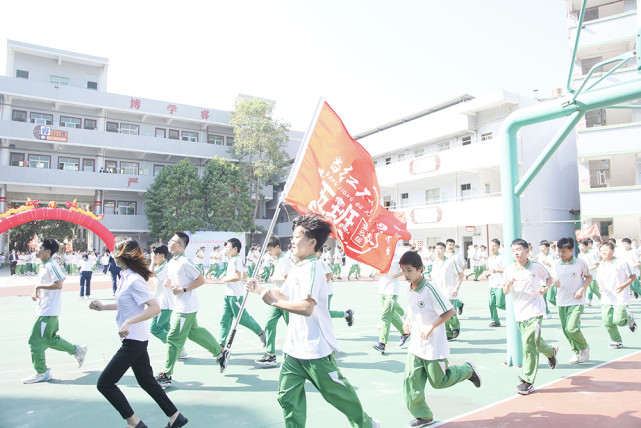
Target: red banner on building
(334,176)
(587,232)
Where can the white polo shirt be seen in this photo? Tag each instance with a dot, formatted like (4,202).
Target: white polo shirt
(632,259)
(50,301)
(591,259)
(282,266)
(182,272)
(235,288)
(327,269)
(386,284)
(528,303)
(572,275)
(312,337)
(131,295)
(445,274)
(611,275)
(495,280)
(164,295)
(424,305)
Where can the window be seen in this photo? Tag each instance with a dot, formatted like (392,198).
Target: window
(595,118)
(58,80)
(467,140)
(604,227)
(486,136)
(129,168)
(126,128)
(388,160)
(19,116)
(112,126)
(68,164)
(599,172)
(432,196)
(41,118)
(230,141)
(39,161)
(111,166)
(467,186)
(157,169)
(92,85)
(441,147)
(16,159)
(219,140)
(109,207)
(418,152)
(190,136)
(590,15)
(70,122)
(174,134)
(387,202)
(466,191)
(401,156)
(22,74)
(588,63)
(404,199)
(89,165)
(161,133)
(91,124)
(126,208)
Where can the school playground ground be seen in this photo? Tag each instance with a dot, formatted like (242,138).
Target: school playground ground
(606,392)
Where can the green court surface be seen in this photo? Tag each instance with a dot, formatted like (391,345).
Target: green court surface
(245,395)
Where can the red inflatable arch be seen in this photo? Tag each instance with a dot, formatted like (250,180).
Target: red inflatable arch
(59,214)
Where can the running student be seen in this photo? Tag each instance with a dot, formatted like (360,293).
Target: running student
(48,294)
(614,280)
(183,279)
(523,279)
(427,312)
(494,273)
(572,277)
(310,344)
(630,255)
(348,315)
(132,295)
(593,260)
(448,276)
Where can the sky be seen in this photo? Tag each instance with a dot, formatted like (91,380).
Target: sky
(372,61)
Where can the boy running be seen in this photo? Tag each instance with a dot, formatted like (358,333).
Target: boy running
(448,276)
(494,273)
(48,294)
(427,311)
(329,276)
(632,258)
(593,260)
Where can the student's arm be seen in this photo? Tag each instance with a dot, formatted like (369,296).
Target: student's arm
(57,285)
(621,287)
(153,308)
(586,283)
(200,280)
(461,276)
(548,284)
(97,305)
(427,331)
(279,300)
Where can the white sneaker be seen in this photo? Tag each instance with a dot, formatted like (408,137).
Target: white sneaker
(183,354)
(38,377)
(81,353)
(575,359)
(375,423)
(584,356)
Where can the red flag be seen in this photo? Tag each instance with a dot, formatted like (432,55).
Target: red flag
(69,247)
(34,242)
(334,176)
(587,232)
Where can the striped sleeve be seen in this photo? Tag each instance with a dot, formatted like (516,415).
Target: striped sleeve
(56,272)
(438,302)
(317,281)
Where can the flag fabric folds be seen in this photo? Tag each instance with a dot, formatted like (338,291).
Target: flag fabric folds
(587,232)
(334,176)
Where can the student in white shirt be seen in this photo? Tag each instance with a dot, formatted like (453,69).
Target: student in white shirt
(572,277)
(132,295)
(199,258)
(44,335)
(86,272)
(215,259)
(310,344)
(593,260)
(546,258)
(452,253)
(448,276)
(427,312)
(632,258)
(614,280)
(494,274)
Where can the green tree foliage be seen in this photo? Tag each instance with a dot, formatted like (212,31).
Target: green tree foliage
(226,200)
(57,229)
(260,143)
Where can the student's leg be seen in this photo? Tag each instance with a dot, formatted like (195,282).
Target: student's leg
(414,387)
(145,377)
(226,319)
(494,313)
(176,338)
(545,299)
(572,327)
(82,284)
(530,334)
(636,287)
(116,368)
(88,284)
(620,315)
(273,315)
(291,392)
(607,315)
(594,287)
(391,315)
(334,314)
(397,320)
(551,295)
(160,324)
(442,376)
(336,389)
(202,337)
(246,320)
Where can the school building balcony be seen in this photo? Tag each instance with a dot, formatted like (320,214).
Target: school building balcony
(610,202)
(45,177)
(476,156)
(607,140)
(475,211)
(125,223)
(613,27)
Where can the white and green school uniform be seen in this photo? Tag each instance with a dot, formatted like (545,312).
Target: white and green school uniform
(309,352)
(234,293)
(161,323)
(591,259)
(282,267)
(215,259)
(550,295)
(529,308)
(388,288)
(200,261)
(45,330)
(495,282)
(184,325)
(632,258)
(330,290)
(571,275)
(445,275)
(614,305)
(427,359)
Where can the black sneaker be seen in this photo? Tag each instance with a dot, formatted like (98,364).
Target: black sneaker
(455,333)
(267,361)
(403,340)
(163,380)
(380,347)
(180,421)
(420,422)
(524,388)
(495,324)
(475,378)
(223,360)
(552,361)
(349,317)
(632,325)
(460,308)
(636,295)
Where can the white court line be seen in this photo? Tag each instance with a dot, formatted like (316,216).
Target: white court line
(516,395)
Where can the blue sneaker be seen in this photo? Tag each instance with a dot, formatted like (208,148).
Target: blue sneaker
(380,347)
(403,340)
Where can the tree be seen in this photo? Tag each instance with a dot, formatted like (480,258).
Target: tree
(57,229)
(173,201)
(259,145)
(227,204)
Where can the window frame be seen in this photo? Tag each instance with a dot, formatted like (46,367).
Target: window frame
(164,132)
(60,82)
(169,137)
(117,130)
(70,117)
(36,154)
(222,139)
(182,136)
(22,77)
(137,167)
(156,165)
(434,199)
(115,169)
(19,154)
(93,169)
(105,203)
(95,122)
(89,87)
(120,129)
(128,202)
(13,116)
(229,141)
(33,120)
(68,157)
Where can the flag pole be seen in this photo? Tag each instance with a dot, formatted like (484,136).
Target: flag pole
(281,200)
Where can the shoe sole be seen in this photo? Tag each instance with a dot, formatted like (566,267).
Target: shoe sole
(477,374)
(525,392)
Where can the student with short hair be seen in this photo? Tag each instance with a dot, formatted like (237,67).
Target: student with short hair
(494,274)
(632,258)
(448,277)
(86,272)
(427,357)
(523,280)
(593,260)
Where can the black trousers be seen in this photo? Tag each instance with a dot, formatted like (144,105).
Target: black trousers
(13,265)
(85,283)
(132,354)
